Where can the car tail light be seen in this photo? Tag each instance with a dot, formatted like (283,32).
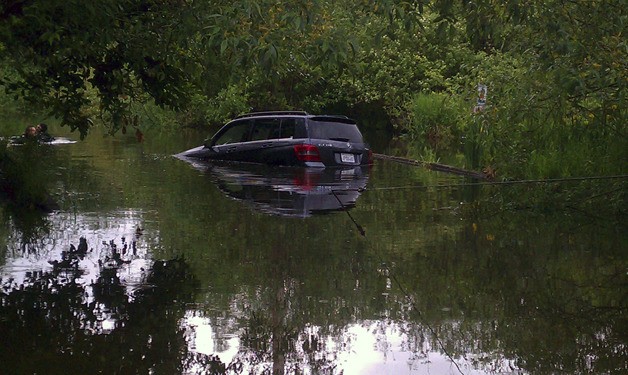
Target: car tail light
(307,152)
(371,157)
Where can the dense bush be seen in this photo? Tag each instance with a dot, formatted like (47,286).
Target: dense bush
(436,118)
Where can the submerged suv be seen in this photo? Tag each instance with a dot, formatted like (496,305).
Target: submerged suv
(287,138)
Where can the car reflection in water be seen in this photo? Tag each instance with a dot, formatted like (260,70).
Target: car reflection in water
(287,191)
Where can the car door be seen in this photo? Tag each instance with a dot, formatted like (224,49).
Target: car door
(262,145)
(272,140)
(230,143)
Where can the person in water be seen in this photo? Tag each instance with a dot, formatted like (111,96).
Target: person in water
(30,132)
(29,135)
(37,133)
(42,133)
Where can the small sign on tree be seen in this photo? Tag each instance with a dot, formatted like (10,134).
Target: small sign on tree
(482,96)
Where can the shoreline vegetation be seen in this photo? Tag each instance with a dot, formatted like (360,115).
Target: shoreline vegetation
(520,93)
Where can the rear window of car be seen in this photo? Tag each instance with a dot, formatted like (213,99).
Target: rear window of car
(332,130)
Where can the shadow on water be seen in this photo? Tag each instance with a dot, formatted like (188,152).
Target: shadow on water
(25,186)
(287,191)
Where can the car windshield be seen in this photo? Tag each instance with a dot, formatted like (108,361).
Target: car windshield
(337,131)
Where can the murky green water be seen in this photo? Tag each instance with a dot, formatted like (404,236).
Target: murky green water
(202,269)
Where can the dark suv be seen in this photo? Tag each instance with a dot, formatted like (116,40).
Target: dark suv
(287,138)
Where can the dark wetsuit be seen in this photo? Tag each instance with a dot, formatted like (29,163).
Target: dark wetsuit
(45,138)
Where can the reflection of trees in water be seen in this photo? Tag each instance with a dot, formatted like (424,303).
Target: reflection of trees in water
(535,314)
(52,323)
(277,338)
(25,188)
(542,307)
(540,311)
(570,326)
(276,320)
(23,229)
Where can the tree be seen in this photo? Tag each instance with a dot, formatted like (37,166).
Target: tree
(70,56)
(63,53)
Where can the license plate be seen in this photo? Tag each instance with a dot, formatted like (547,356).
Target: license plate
(347,158)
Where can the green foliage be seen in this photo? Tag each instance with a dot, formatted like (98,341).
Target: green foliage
(436,118)
(110,54)
(554,69)
(217,110)
(556,74)
(62,49)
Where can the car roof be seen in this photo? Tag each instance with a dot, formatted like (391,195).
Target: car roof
(331,118)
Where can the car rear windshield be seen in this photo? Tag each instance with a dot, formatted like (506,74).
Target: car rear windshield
(337,131)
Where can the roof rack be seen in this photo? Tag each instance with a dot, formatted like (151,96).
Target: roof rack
(271,113)
(333,116)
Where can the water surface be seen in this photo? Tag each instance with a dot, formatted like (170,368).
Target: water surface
(193,268)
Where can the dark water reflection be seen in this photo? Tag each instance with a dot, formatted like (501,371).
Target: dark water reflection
(176,276)
(287,191)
